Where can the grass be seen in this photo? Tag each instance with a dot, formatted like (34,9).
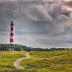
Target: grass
(7,59)
(54,61)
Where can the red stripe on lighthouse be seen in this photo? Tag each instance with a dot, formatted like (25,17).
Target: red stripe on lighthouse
(11,40)
(11,34)
(11,28)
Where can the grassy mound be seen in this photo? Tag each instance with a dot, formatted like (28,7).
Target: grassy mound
(54,61)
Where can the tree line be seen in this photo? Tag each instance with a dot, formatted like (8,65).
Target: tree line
(18,47)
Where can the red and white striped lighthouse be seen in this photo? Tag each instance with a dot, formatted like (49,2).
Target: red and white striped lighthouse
(11,33)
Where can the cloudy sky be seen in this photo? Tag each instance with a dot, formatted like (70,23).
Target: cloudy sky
(37,23)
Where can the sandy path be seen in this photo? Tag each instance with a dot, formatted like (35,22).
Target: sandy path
(17,62)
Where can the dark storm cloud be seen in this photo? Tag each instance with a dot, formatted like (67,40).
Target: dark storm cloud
(67,13)
(69,3)
(38,25)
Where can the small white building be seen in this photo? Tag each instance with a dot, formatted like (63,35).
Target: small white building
(11,49)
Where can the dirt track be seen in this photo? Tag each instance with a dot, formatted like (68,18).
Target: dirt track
(17,62)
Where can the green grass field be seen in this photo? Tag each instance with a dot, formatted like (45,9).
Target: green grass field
(7,58)
(54,61)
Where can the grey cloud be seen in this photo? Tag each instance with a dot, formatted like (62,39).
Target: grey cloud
(69,3)
(67,13)
(35,24)
(39,13)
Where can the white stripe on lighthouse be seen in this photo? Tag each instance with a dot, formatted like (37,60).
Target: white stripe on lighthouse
(11,37)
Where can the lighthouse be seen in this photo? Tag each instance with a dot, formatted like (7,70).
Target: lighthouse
(11,33)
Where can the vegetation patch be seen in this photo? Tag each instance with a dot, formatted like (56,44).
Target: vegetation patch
(18,47)
(37,66)
(53,61)
(7,59)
